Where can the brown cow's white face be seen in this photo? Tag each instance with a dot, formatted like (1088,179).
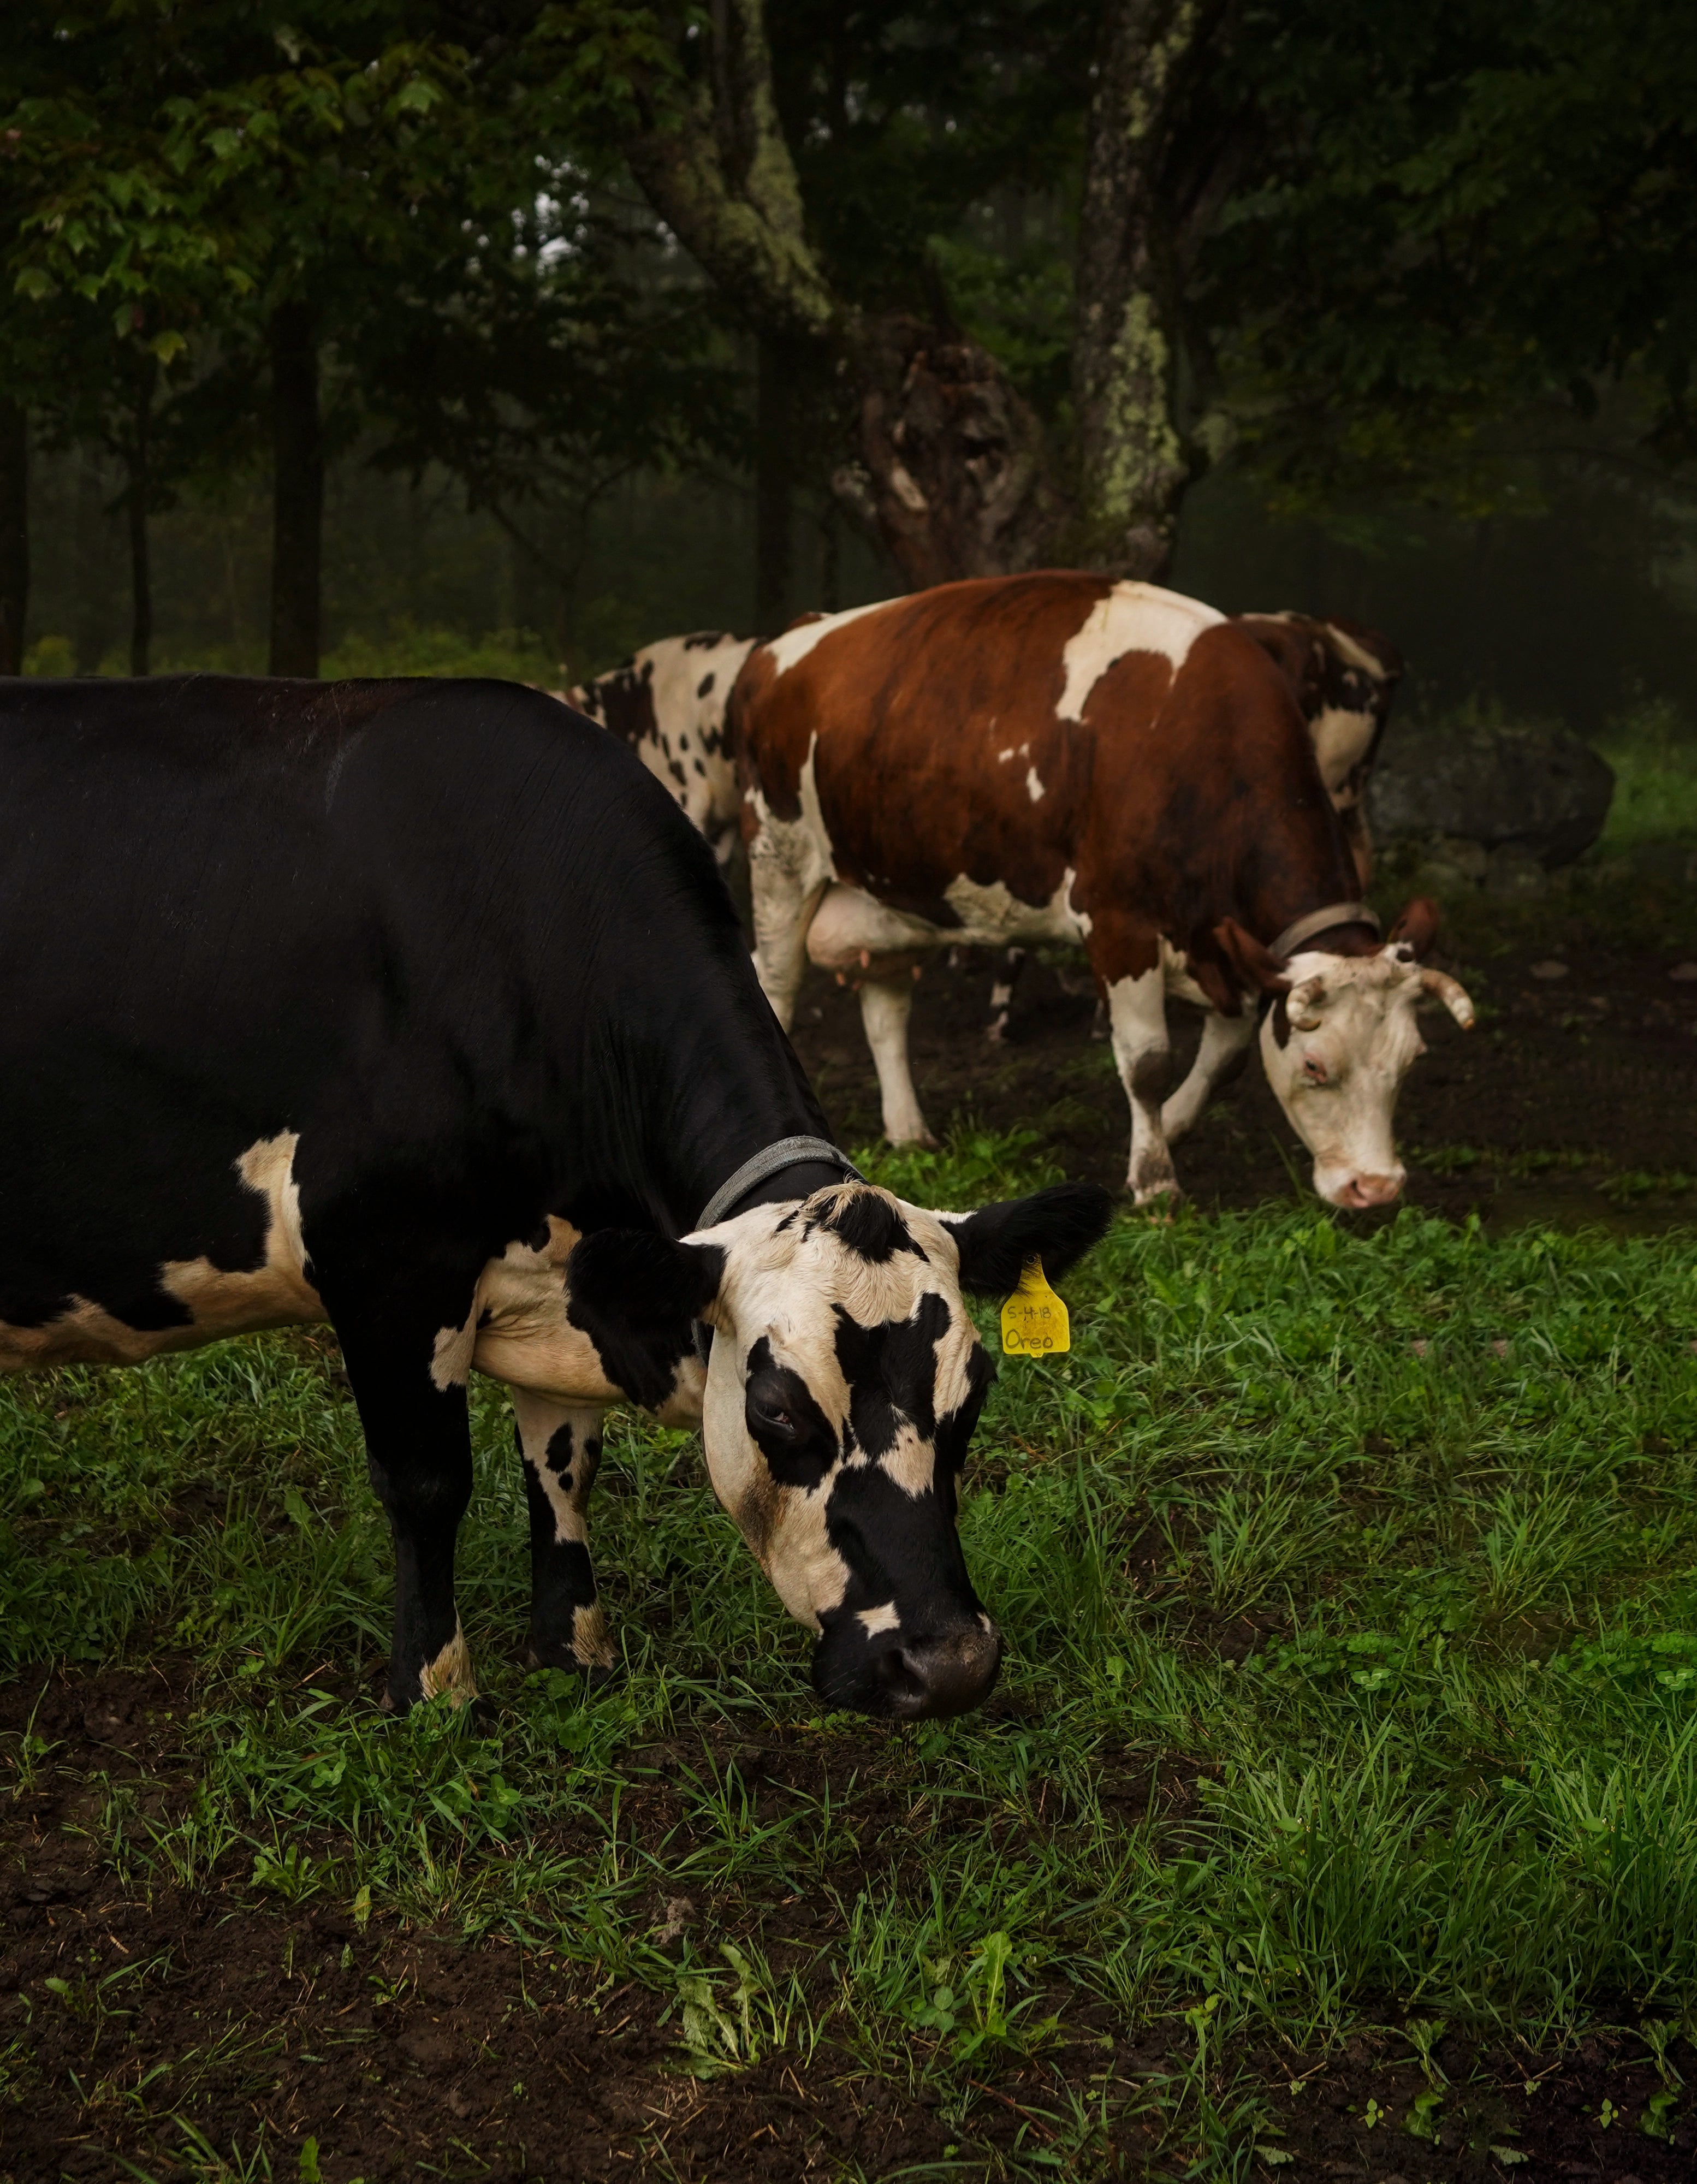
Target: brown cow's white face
(1337,1046)
(844,1380)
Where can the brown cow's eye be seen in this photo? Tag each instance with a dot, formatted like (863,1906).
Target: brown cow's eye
(1314,1071)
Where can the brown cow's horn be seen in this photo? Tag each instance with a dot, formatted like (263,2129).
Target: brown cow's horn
(1453,997)
(1306,995)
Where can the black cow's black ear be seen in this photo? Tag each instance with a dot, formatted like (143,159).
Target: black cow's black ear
(636,1296)
(1058,1225)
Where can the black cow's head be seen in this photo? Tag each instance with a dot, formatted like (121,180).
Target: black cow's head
(844,1382)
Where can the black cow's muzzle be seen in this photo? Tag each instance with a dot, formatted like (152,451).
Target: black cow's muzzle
(901,1675)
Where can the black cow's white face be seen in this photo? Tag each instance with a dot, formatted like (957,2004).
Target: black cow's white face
(844,1382)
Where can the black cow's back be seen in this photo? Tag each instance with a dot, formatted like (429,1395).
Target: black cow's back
(451,933)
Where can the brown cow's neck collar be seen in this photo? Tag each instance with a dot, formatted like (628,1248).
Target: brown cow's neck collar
(1308,929)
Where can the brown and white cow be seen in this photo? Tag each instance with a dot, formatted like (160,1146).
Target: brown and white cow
(667,702)
(1058,757)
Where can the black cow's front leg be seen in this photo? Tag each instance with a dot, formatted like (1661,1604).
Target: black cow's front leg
(410,1387)
(561,1447)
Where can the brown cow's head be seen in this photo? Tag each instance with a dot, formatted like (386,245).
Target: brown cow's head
(1338,1039)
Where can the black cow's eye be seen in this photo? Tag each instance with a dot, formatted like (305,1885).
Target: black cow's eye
(785,1423)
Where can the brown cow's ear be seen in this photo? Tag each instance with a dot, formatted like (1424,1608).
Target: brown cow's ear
(1255,964)
(1418,927)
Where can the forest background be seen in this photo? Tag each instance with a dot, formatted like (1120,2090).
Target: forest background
(364,336)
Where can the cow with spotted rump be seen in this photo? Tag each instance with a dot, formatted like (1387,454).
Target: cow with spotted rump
(417,1007)
(1059,757)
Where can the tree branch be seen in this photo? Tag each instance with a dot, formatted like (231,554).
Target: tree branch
(713,162)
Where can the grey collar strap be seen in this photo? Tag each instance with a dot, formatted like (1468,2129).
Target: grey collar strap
(1320,921)
(787,1152)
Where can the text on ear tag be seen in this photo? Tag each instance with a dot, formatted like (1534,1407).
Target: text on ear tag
(1034,1322)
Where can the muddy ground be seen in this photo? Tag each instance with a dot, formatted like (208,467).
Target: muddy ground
(407,2054)
(1574,1099)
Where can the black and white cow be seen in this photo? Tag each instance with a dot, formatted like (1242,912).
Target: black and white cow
(416,1007)
(668,703)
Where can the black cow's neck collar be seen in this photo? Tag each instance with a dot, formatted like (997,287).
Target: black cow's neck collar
(778,1161)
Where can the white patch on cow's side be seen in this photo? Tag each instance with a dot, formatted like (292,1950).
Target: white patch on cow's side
(875,1621)
(523,1337)
(451,1354)
(223,1300)
(449,1674)
(1132,617)
(1341,738)
(1002,757)
(785,652)
(1034,787)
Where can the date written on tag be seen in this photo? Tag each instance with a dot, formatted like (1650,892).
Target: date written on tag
(1034,1322)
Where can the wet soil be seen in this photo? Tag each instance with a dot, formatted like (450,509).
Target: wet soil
(1574,1100)
(410,2053)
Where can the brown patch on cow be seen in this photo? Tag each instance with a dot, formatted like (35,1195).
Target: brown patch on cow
(1180,800)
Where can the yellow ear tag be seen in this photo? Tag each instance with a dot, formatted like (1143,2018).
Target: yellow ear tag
(1034,1322)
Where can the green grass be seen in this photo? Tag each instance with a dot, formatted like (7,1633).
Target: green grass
(1654,753)
(1380,1547)
(512,656)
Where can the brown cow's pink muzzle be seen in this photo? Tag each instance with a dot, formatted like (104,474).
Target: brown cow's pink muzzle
(1371,1190)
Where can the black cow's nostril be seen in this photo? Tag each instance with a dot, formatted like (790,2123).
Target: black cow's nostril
(901,1679)
(928,1679)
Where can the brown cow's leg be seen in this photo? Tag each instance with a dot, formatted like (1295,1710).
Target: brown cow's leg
(885,1007)
(1002,995)
(1136,1016)
(1224,1050)
(561,1447)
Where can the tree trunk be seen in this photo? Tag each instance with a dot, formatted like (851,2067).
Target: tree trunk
(141,569)
(1149,192)
(297,491)
(14,534)
(774,456)
(952,473)
(950,470)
